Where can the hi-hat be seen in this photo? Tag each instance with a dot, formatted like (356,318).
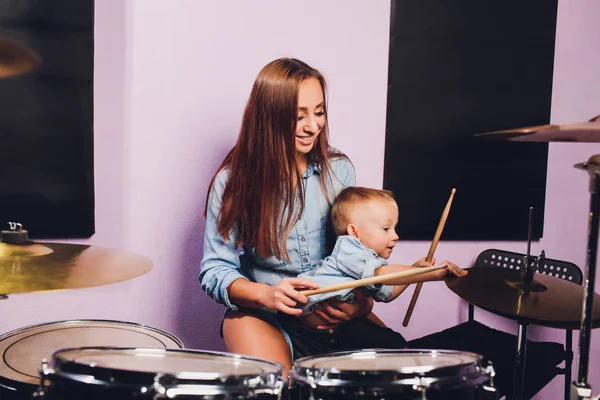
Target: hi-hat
(28,266)
(558,305)
(15,58)
(587,132)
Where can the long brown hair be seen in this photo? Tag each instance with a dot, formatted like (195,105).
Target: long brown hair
(259,196)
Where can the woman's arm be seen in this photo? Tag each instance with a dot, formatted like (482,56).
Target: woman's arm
(220,274)
(220,265)
(281,297)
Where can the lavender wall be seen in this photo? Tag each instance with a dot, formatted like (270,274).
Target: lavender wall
(171,83)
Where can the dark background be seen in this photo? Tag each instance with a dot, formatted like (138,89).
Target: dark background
(458,68)
(46,120)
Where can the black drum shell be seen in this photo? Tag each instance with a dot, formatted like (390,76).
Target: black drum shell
(339,376)
(93,373)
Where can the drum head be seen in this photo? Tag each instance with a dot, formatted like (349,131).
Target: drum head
(405,362)
(23,349)
(187,364)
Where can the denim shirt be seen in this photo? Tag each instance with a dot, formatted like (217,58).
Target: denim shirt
(349,261)
(224,263)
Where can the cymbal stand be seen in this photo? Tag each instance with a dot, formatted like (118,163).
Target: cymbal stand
(527,278)
(527,271)
(581,388)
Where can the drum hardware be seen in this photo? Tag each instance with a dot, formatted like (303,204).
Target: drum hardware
(27,266)
(527,283)
(16,59)
(16,234)
(588,132)
(581,389)
(524,286)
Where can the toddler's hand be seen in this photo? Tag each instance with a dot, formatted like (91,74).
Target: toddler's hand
(422,263)
(451,268)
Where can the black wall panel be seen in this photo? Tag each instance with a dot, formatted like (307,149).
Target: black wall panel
(46,120)
(458,68)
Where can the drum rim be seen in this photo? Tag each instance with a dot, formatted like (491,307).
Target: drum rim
(267,382)
(14,332)
(331,378)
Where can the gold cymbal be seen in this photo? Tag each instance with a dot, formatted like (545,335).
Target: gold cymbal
(587,132)
(15,58)
(37,267)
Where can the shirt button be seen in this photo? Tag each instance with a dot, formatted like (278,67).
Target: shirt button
(331,331)
(304,260)
(302,239)
(332,341)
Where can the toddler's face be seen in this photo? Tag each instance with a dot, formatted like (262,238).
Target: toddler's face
(376,224)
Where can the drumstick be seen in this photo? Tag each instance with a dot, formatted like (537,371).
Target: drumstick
(436,239)
(368,281)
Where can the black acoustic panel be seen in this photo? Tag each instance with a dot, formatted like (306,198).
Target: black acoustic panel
(46,120)
(456,69)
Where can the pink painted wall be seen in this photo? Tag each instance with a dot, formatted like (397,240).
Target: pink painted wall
(170,86)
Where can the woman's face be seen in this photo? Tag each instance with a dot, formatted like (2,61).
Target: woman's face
(311,116)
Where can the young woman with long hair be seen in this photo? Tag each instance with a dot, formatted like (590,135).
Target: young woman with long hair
(267,212)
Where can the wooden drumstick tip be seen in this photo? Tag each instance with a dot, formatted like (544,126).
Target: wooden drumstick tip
(453,190)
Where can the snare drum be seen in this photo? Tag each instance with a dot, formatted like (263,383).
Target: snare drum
(94,373)
(392,374)
(23,349)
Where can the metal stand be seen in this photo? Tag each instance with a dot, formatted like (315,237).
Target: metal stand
(519,377)
(524,286)
(581,389)
(568,363)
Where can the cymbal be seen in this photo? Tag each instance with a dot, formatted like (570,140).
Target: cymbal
(15,58)
(555,302)
(592,165)
(587,132)
(36,267)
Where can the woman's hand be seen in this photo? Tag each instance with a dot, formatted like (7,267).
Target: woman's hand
(284,296)
(335,312)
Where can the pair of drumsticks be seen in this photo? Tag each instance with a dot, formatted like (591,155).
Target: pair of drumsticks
(403,274)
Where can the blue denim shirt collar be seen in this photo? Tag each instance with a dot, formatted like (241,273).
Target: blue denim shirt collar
(312,168)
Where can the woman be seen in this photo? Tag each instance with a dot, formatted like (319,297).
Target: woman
(270,198)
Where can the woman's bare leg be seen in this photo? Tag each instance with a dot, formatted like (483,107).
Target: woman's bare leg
(246,333)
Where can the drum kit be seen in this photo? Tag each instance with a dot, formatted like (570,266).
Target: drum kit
(112,359)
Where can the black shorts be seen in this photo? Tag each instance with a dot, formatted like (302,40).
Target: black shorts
(357,334)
